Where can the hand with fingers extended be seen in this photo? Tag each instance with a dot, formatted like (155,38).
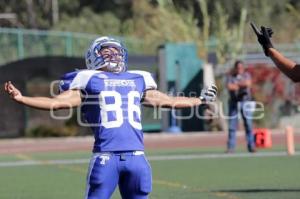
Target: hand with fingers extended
(13,92)
(263,37)
(209,94)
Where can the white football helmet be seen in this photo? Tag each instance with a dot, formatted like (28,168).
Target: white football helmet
(114,58)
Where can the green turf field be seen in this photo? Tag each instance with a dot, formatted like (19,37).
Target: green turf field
(212,177)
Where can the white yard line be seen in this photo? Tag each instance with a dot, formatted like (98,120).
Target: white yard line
(151,158)
(217,155)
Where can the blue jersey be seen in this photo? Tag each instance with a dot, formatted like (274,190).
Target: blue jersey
(111,106)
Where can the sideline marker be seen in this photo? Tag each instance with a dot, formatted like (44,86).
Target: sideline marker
(290,145)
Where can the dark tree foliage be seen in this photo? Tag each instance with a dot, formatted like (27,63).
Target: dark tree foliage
(40,14)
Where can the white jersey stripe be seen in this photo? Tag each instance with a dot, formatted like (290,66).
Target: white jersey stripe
(82,78)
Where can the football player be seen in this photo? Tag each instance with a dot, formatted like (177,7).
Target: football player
(287,66)
(110,97)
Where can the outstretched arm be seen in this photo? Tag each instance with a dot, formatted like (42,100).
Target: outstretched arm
(67,99)
(158,99)
(287,66)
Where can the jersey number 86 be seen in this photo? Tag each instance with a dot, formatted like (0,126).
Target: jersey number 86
(116,109)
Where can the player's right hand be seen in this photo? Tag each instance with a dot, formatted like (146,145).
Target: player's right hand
(13,92)
(264,37)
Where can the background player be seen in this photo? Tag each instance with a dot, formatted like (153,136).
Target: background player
(287,66)
(110,98)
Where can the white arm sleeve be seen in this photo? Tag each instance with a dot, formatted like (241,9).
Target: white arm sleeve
(76,80)
(148,79)
(81,80)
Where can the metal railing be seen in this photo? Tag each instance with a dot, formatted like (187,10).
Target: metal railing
(23,43)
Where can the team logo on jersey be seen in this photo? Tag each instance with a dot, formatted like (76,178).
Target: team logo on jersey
(119,82)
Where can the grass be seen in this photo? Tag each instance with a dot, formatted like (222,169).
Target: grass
(268,177)
(211,178)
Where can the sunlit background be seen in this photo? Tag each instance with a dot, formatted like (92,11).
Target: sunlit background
(185,45)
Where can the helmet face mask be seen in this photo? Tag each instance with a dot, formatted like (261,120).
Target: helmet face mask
(107,54)
(113,58)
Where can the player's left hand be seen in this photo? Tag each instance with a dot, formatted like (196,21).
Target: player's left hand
(209,94)
(13,92)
